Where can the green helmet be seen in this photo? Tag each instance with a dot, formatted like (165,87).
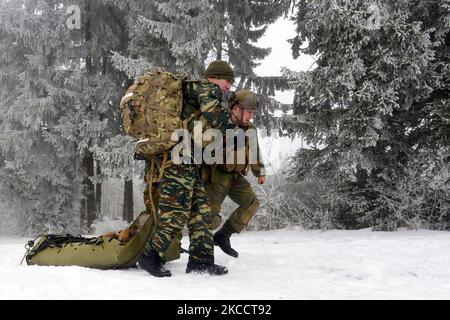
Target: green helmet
(219,69)
(247,100)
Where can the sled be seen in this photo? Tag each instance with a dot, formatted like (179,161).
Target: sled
(110,251)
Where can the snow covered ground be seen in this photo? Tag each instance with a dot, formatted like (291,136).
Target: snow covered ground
(281,264)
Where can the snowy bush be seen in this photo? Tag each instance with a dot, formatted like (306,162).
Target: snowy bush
(287,204)
(414,195)
(374,111)
(418,197)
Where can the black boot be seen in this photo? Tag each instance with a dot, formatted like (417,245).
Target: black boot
(206,267)
(183,250)
(222,239)
(151,262)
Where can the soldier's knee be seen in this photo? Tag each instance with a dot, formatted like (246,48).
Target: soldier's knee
(215,222)
(250,212)
(215,209)
(254,206)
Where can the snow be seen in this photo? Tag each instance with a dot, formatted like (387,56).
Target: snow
(280,264)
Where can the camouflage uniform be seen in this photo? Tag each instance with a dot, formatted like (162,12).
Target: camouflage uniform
(182,196)
(151,200)
(183,200)
(228,180)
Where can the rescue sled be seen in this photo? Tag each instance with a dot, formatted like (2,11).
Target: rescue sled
(109,251)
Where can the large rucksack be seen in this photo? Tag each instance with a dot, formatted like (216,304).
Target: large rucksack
(151,110)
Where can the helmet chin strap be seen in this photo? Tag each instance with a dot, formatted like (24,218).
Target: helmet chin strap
(240,117)
(241,120)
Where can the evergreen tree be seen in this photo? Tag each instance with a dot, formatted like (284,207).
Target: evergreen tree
(377,100)
(103,29)
(116,153)
(243,23)
(60,121)
(61,101)
(39,171)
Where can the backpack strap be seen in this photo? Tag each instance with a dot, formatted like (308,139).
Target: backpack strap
(151,180)
(163,165)
(150,189)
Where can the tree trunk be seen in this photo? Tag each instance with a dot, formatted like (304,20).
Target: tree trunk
(89,192)
(98,190)
(83,213)
(128,201)
(219,50)
(88,160)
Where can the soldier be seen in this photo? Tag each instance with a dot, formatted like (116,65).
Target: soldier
(228,179)
(182,197)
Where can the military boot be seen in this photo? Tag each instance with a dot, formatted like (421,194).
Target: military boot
(206,267)
(151,262)
(222,239)
(183,250)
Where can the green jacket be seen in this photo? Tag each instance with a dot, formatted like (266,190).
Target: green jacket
(205,97)
(258,168)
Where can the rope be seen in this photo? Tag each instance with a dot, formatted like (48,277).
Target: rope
(28,246)
(59,241)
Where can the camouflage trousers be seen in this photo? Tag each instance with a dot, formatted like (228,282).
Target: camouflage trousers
(220,184)
(183,200)
(151,200)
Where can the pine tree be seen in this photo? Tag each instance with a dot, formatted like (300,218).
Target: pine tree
(377,99)
(116,153)
(39,170)
(60,120)
(245,23)
(103,30)
(64,104)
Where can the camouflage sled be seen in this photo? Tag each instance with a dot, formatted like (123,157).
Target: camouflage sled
(110,251)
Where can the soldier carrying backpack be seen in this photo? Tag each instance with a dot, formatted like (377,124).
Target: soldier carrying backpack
(153,108)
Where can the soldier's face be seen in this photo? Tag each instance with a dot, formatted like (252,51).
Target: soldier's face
(245,117)
(225,85)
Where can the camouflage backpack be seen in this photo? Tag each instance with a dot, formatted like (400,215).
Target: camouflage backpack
(151,110)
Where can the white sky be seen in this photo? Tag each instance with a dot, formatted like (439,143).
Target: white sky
(276,38)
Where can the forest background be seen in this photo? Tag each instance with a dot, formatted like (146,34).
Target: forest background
(369,116)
